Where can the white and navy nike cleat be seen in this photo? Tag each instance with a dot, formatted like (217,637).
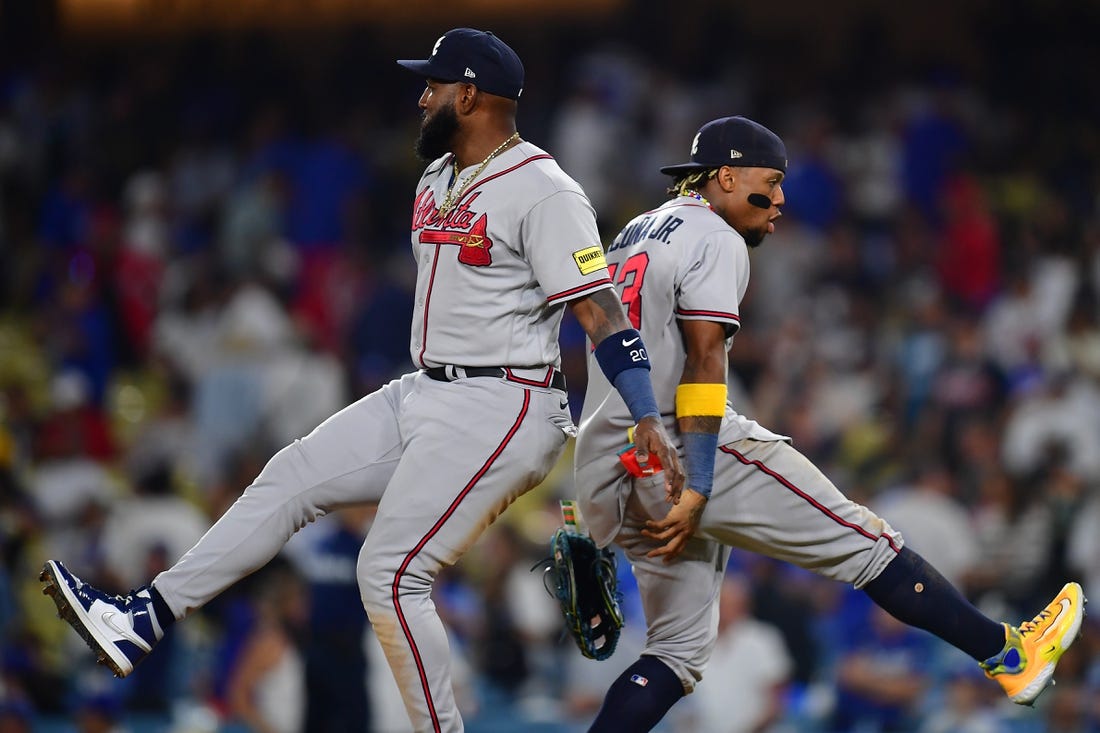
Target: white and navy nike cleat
(121,630)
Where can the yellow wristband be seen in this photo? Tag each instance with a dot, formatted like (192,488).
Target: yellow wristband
(703,400)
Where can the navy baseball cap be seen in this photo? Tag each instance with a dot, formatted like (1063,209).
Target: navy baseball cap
(475,57)
(733,141)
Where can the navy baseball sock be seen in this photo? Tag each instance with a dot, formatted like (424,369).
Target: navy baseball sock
(915,593)
(639,698)
(165,617)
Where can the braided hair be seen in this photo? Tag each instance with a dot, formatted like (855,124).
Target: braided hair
(692,180)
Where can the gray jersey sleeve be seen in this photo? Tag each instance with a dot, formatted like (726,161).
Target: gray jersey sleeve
(713,279)
(563,247)
(675,263)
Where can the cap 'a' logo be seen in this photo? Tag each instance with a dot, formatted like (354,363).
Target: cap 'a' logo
(735,154)
(695,143)
(469,73)
(435,48)
(589,259)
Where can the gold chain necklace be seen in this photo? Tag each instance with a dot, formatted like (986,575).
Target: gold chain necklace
(455,192)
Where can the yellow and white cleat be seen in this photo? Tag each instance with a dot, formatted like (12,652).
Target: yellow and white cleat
(1026,665)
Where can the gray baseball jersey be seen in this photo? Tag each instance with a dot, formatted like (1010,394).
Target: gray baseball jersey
(443,452)
(680,262)
(677,262)
(496,272)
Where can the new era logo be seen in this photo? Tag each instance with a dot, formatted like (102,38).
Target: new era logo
(734,154)
(470,73)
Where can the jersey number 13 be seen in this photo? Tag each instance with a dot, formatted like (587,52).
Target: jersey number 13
(628,279)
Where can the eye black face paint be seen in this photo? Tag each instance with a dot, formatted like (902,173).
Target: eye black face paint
(760,201)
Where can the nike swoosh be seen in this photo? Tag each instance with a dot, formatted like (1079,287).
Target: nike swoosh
(563,405)
(108,618)
(1064,605)
(628,343)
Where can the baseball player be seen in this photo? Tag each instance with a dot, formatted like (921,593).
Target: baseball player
(681,271)
(503,242)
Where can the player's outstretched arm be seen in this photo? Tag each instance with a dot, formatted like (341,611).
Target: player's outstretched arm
(700,405)
(623,359)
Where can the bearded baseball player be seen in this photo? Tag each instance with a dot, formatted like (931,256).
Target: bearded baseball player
(681,271)
(503,241)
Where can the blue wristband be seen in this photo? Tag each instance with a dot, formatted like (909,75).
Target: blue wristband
(699,452)
(621,351)
(637,393)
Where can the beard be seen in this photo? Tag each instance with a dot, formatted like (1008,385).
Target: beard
(754,237)
(437,132)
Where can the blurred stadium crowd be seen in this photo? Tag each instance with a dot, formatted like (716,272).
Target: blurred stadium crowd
(204,247)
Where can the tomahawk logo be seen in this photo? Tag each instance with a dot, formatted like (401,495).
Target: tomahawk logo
(695,144)
(473,245)
(435,48)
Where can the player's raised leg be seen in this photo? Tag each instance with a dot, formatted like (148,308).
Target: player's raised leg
(305,480)
(847,542)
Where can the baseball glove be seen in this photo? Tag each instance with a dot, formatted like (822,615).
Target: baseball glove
(582,578)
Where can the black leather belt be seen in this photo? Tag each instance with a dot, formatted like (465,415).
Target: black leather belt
(451,373)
